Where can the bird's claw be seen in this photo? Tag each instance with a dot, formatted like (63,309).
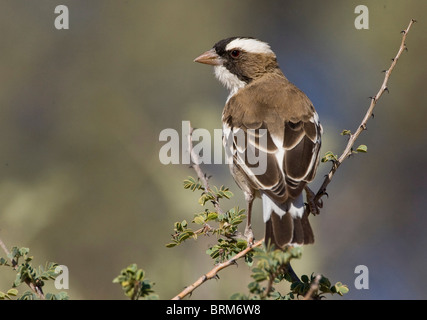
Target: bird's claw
(313,204)
(249,235)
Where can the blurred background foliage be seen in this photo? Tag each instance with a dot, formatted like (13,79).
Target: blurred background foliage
(81,110)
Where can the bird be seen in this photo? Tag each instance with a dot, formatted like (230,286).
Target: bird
(262,102)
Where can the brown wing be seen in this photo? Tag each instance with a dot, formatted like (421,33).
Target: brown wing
(273,120)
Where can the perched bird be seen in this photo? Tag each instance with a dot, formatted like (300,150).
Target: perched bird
(263,103)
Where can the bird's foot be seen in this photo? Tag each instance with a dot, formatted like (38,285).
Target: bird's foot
(249,235)
(313,205)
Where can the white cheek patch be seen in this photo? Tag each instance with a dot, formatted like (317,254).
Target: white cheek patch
(229,80)
(249,45)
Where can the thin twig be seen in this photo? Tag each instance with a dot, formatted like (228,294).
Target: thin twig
(202,177)
(353,137)
(36,289)
(213,273)
(313,288)
(283,269)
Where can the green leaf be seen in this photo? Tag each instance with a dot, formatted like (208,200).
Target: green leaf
(12,292)
(28,295)
(242,244)
(17,281)
(131,281)
(259,277)
(340,288)
(223,192)
(324,283)
(132,268)
(139,275)
(238,296)
(329,156)
(23,251)
(4,262)
(212,216)
(62,296)
(236,221)
(346,133)
(199,220)
(362,148)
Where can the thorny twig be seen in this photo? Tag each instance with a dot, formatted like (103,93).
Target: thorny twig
(36,289)
(214,272)
(315,199)
(202,176)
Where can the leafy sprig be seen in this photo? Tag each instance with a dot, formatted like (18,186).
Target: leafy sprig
(273,266)
(226,223)
(134,285)
(20,260)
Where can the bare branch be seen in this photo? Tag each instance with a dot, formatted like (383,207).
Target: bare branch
(353,137)
(202,176)
(313,288)
(213,273)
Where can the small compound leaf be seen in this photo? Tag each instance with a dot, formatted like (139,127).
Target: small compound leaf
(362,148)
(198,220)
(12,292)
(346,133)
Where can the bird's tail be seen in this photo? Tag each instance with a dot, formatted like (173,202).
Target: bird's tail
(286,224)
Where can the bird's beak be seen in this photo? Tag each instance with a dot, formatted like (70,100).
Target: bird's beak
(209,57)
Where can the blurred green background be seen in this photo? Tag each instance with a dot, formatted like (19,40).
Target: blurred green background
(81,110)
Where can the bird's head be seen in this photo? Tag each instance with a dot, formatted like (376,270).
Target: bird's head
(240,60)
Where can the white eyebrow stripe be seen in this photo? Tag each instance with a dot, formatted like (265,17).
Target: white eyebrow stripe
(249,45)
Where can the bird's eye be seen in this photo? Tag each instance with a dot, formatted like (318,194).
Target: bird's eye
(235,53)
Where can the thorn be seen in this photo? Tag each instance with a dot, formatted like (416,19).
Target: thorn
(413,20)
(372,98)
(406,48)
(385,70)
(372,115)
(386,89)
(403,31)
(363,126)
(326,194)
(319,203)
(392,59)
